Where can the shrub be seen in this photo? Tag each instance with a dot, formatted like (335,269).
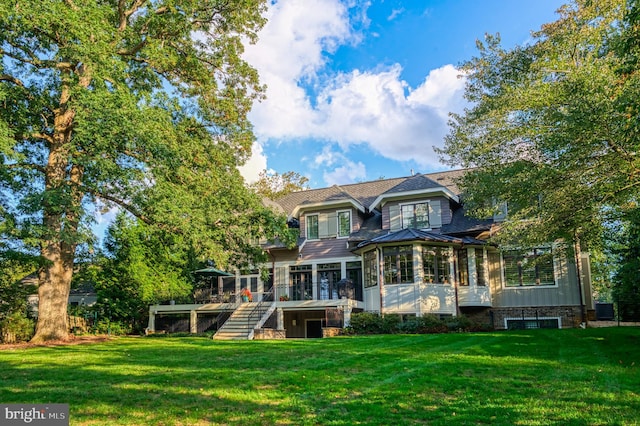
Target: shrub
(114,328)
(16,328)
(428,324)
(365,323)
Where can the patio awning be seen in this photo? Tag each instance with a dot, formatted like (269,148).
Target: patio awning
(212,272)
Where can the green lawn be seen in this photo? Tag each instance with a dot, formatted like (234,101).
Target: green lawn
(537,377)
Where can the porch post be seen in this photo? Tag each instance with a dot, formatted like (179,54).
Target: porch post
(280,319)
(347,316)
(193,322)
(151,328)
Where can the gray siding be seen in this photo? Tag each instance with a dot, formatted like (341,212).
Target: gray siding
(564,294)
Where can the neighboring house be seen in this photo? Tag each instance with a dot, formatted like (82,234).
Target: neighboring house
(405,246)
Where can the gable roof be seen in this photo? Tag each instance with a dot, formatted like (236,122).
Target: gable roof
(366,193)
(414,185)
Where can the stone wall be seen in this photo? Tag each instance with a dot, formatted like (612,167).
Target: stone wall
(269,334)
(331,331)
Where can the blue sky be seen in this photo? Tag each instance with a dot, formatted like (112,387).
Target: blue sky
(358,90)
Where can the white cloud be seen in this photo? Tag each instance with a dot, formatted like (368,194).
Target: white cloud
(379,109)
(373,107)
(350,172)
(257,163)
(395,13)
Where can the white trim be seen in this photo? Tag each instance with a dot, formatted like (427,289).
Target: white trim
(326,205)
(413,203)
(306,227)
(338,236)
(400,195)
(503,277)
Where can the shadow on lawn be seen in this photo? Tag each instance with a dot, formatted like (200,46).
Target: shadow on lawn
(541,376)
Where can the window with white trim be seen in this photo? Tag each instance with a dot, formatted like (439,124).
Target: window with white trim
(435,265)
(415,215)
(344,223)
(398,264)
(532,267)
(311,224)
(370,261)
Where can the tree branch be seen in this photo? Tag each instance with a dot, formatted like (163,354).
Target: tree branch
(12,79)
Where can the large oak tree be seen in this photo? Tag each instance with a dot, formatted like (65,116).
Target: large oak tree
(552,126)
(139,104)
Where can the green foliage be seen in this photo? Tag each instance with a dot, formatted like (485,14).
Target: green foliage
(16,327)
(372,323)
(111,328)
(131,104)
(552,126)
(276,185)
(13,292)
(626,289)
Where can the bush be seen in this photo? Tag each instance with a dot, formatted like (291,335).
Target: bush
(16,328)
(114,328)
(365,323)
(429,324)
(371,323)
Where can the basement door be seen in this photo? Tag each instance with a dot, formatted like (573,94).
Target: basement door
(313,328)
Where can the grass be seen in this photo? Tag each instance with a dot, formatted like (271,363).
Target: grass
(536,377)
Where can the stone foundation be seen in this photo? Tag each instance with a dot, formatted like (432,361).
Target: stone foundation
(331,331)
(269,334)
(569,316)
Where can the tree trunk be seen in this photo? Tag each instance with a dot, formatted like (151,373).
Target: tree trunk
(53,297)
(61,207)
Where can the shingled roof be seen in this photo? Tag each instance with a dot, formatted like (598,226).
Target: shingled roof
(411,234)
(365,193)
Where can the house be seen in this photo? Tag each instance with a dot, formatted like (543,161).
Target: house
(401,246)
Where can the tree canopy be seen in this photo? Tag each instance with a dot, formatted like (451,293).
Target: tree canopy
(552,126)
(136,104)
(275,185)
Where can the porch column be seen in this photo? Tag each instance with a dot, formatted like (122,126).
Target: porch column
(280,319)
(347,316)
(193,322)
(151,328)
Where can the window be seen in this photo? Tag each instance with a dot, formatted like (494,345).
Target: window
(300,285)
(354,273)
(370,269)
(312,227)
(463,267)
(415,215)
(531,323)
(435,265)
(398,265)
(344,223)
(481,268)
(328,277)
(528,268)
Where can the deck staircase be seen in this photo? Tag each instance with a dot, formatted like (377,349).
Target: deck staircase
(244,320)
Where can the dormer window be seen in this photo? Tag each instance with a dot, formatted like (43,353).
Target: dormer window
(328,225)
(312,227)
(415,215)
(344,223)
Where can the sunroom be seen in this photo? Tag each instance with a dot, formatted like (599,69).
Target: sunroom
(414,272)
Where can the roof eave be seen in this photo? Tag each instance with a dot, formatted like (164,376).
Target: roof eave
(400,195)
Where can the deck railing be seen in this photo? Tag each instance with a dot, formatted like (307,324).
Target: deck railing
(261,307)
